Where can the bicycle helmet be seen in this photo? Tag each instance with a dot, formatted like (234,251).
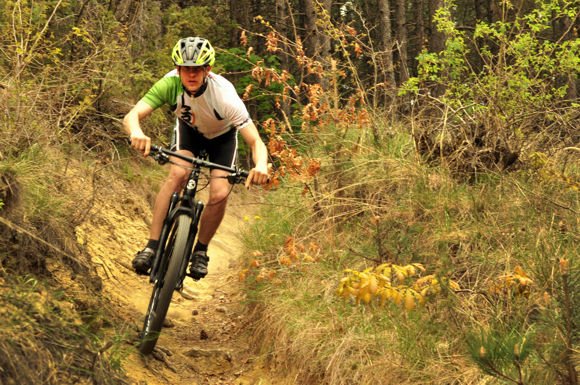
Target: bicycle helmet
(193,52)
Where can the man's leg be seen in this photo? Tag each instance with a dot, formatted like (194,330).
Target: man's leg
(219,190)
(174,182)
(221,150)
(213,214)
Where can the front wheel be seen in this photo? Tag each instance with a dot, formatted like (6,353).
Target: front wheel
(176,252)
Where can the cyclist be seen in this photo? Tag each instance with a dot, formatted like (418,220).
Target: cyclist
(209,115)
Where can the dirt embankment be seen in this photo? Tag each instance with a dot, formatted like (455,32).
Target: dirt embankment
(205,341)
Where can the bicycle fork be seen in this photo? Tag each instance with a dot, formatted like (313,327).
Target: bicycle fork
(197,210)
(169,217)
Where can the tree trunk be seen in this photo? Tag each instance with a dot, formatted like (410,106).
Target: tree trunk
(572,80)
(311,39)
(324,39)
(386,39)
(482,10)
(386,44)
(436,38)
(281,24)
(402,40)
(420,28)
(240,15)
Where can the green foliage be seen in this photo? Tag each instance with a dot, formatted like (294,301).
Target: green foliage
(521,57)
(152,57)
(195,20)
(501,355)
(237,66)
(272,227)
(452,64)
(35,174)
(64,68)
(497,87)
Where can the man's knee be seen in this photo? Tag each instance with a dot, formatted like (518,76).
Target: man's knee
(176,178)
(219,195)
(219,190)
(218,199)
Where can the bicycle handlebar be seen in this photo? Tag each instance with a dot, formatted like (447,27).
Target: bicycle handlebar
(158,150)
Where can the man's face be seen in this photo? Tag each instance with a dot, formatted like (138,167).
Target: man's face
(192,77)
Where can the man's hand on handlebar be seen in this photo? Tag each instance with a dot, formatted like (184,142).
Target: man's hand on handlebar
(141,143)
(258,175)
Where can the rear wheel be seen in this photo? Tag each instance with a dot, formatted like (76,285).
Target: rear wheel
(176,252)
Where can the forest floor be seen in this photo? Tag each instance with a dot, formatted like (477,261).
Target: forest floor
(205,340)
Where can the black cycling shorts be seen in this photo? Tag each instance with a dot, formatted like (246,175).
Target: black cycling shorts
(222,149)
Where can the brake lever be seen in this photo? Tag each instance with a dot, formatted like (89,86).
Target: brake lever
(161,158)
(235,178)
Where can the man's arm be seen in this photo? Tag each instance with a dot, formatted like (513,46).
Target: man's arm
(259,174)
(132,126)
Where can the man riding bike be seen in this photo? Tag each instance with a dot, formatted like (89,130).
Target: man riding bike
(209,115)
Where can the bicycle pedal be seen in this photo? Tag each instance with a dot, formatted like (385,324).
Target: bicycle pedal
(141,272)
(195,275)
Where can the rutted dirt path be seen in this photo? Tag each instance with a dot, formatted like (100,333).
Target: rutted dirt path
(205,341)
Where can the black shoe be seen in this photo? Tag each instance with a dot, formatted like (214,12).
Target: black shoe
(143,261)
(198,268)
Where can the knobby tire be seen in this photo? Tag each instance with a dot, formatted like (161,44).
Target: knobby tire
(164,286)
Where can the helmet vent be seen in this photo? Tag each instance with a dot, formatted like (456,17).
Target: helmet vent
(189,53)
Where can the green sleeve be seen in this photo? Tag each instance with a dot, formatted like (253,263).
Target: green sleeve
(165,91)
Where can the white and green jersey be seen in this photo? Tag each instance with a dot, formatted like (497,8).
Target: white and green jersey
(214,112)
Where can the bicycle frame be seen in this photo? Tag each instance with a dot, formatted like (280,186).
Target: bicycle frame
(175,243)
(183,204)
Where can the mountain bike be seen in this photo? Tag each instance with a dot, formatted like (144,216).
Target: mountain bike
(176,242)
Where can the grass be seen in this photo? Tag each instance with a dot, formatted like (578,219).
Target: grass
(502,237)
(53,327)
(44,338)
(53,330)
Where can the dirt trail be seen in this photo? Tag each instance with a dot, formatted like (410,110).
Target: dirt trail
(204,342)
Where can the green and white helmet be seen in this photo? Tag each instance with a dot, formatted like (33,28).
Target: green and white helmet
(193,52)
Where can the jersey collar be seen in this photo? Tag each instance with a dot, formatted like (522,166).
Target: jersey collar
(199,92)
